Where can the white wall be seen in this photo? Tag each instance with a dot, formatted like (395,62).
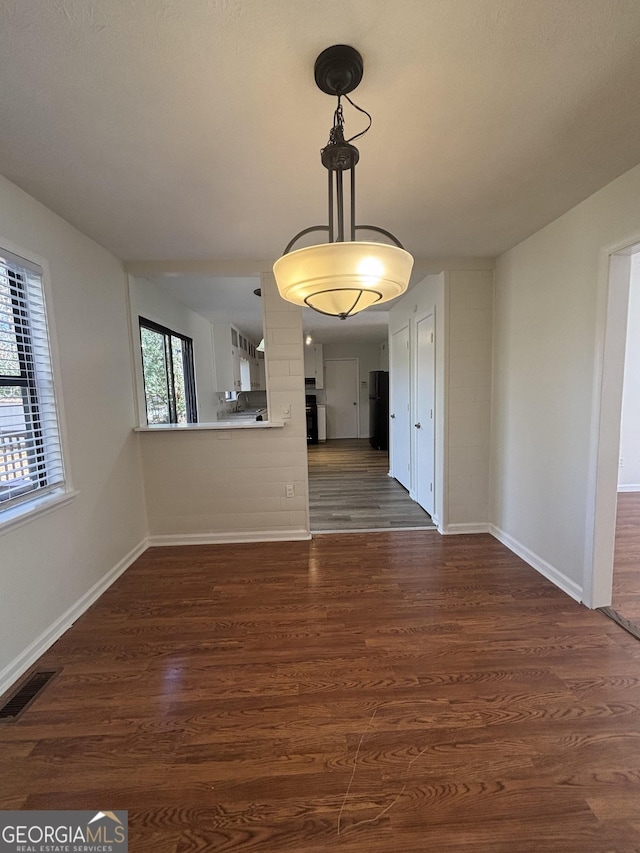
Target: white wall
(48,564)
(368,356)
(384,356)
(150,301)
(212,486)
(463,304)
(551,293)
(629,471)
(470,340)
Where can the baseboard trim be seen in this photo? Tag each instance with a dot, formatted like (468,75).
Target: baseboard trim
(12,672)
(230,537)
(339,531)
(550,572)
(455,529)
(633,487)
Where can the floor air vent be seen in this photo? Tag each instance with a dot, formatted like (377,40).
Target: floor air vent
(27,693)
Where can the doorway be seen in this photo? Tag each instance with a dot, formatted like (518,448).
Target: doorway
(625,580)
(606,459)
(349,484)
(341,383)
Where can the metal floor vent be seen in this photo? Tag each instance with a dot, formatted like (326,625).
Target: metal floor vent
(27,693)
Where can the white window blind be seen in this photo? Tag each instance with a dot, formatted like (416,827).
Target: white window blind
(30,453)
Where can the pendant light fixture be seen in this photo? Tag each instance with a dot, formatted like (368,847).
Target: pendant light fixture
(342,276)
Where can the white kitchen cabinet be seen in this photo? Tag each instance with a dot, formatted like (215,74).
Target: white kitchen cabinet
(314,364)
(236,363)
(258,375)
(226,357)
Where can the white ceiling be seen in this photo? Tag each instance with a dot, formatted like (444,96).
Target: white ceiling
(191,129)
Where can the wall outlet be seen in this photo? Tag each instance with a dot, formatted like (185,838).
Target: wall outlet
(290,490)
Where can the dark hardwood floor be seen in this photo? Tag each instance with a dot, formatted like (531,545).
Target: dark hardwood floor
(382,692)
(349,489)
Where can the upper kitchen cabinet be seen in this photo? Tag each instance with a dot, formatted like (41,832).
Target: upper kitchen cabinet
(314,364)
(236,360)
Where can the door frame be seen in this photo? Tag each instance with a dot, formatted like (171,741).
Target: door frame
(602,496)
(357,363)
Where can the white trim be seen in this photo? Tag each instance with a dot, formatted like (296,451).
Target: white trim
(36,507)
(609,345)
(631,487)
(430,529)
(12,672)
(461,527)
(229,537)
(230,424)
(550,572)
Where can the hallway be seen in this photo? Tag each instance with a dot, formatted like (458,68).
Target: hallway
(349,489)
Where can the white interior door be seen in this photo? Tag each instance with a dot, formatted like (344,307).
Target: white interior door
(399,413)
(424,473)
(341,395)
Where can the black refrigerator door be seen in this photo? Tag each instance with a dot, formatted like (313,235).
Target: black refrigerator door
(373,384)
(379,410)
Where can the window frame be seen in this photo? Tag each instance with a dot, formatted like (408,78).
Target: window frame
(32,331)
(188,371)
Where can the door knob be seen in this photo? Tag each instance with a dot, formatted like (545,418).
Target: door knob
(418,425)
(393,416)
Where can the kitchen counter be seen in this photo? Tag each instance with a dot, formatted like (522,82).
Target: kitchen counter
(237,423)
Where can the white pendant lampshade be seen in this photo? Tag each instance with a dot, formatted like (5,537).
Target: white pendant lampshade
(342,279)
(342,276)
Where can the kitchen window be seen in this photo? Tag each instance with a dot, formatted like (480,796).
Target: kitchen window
(31,464)
(169,376)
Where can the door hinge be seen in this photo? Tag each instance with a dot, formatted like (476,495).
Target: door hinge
(430,487)
(431,415)
(431,337)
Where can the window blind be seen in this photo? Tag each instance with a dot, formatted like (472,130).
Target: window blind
(30,453)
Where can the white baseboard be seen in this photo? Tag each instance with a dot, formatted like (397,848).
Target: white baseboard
(550,572)
(12,672)
(229,537)
(633,487)
(455,529)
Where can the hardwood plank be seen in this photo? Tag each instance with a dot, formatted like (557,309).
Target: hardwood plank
(349,489)
(390,691)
